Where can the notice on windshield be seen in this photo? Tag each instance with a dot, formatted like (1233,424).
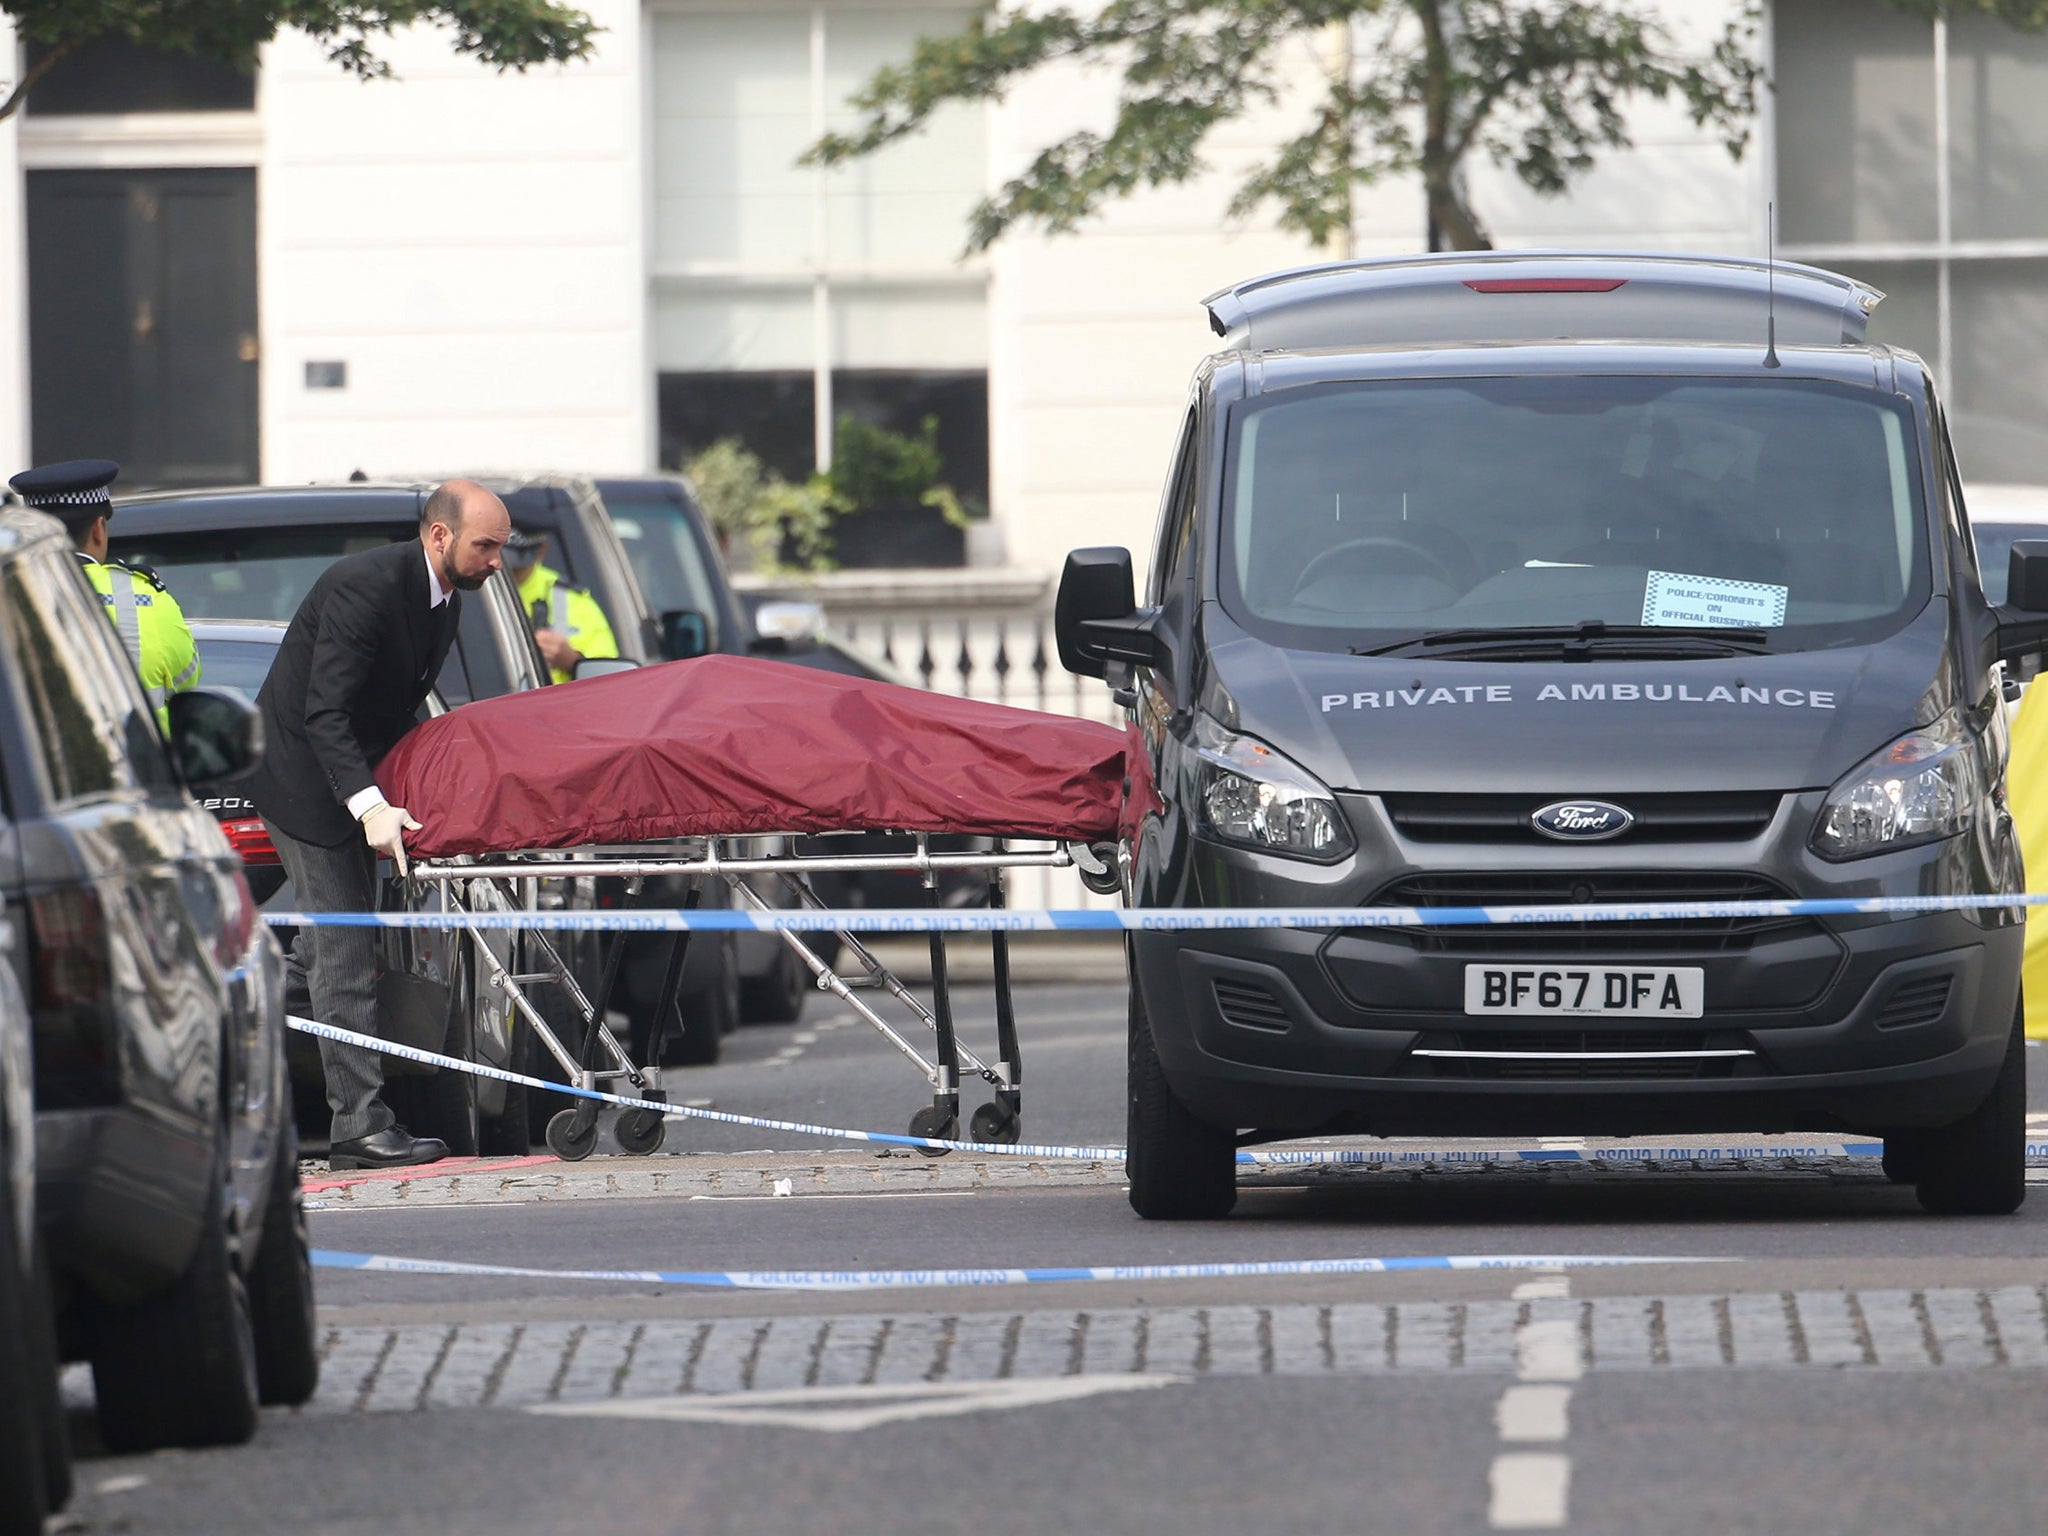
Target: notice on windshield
(1712,602)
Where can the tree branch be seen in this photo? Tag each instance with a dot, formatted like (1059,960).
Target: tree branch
(36,71)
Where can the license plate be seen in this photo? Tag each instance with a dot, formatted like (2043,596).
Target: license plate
(1587,991)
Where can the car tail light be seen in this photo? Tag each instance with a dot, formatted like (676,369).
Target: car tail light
(1544,284)
(251,839)
(76,1063)
(71,949)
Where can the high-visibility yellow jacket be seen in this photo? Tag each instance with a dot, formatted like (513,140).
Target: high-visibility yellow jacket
(551,603)
(151,625)
(2026,782)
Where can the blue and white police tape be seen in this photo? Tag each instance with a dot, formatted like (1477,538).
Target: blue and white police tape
(1144,919)
(1289,1158)
(903,1279)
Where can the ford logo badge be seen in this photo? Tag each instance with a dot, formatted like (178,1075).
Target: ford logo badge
(1581,821)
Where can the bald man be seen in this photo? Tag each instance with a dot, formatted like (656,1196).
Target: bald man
(361,653)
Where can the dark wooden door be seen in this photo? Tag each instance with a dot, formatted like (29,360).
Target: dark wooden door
(142,322)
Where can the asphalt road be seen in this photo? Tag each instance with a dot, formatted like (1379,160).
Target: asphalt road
(1806,1350)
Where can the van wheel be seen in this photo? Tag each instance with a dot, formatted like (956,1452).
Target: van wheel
(281,1289)
(1978,1166)
(179,1368)
(1180,1168)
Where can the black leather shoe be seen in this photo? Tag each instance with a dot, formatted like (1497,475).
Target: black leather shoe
(392,1147)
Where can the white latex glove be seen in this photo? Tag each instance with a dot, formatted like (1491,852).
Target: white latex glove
(384,829)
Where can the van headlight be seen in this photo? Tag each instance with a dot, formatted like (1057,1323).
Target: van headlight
(1247,793)
(1925,786)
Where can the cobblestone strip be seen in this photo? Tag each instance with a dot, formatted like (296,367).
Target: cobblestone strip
(508,1365)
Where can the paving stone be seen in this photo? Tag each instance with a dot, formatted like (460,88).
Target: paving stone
(469,1365)
(1422,1336)
(1298,1340)
(536,1363)
(1173,1342)
(1620,1328)
(1692,1331)
(598,1362)
(1896,1331)
(1358,1336)
(1111,1346)
(1759,1331)
(786,1355)
(402,1382)
(727,1355)
(1237,1346)
(2022,1325)
(911,1351)
(1956,1319)
(660,1359)
(1045,1344)
(849,1352)
(980,1345)
(1831,1330)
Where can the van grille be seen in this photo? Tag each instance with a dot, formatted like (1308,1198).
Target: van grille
(1703,935)
(1251,1006)
(1711,817)
(1919,1001)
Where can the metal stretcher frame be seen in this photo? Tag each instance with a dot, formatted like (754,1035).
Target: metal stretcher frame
(505,885)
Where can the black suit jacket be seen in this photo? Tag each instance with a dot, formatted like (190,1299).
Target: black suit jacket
(360,655)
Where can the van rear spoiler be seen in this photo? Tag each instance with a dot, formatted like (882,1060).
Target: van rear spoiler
(1540,296)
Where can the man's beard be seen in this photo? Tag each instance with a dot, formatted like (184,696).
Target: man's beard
(455,581)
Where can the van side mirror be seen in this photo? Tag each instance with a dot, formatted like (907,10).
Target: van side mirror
(215,736)
(2023,620)
(602,666)
(787,627)
(1096,619)
(684,634)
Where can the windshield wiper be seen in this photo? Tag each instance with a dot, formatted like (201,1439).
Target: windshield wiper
(1579,641)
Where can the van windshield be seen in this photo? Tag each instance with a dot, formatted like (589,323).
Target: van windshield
(1360,515)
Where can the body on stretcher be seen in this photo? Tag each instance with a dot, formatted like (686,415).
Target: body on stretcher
(698,756)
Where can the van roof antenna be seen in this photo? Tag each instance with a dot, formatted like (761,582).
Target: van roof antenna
(1770,286)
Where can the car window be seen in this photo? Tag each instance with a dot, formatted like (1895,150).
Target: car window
(1994,552)
(1178,520)
(236,666)
(253,573)
(94,732)
(1369,512)
(668,561)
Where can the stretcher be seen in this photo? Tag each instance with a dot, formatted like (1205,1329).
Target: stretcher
(735,772)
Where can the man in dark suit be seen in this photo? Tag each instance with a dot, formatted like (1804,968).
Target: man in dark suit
(361,653)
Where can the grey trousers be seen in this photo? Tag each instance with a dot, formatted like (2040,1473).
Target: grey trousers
(338,967)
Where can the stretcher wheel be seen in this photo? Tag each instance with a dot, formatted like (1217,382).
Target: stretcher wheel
(565,1142)
(995,1125)
(940,1125)
(640,1131)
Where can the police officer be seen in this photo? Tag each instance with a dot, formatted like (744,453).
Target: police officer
(568,624)
(151,625)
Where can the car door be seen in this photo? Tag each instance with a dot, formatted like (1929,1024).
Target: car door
(149,874)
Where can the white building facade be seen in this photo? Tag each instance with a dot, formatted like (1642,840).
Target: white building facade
(603,266)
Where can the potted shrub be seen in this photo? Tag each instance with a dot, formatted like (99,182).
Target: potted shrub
(891,507)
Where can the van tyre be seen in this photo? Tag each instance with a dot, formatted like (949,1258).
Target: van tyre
(1181,1168)
(179,1368)
(281,1289)
(1978,1166)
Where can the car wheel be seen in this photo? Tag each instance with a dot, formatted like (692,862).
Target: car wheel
(35,1451)
(776,997)
(444,1103)
(1181,1168)
(281,1288)
(179,1368)
(1901,1157)
(1978,1166)
(706,1017)
(507,1133)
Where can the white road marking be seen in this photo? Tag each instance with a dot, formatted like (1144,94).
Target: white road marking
(1547,1349)
(1530,1491)
(127,1482)
(1534,1411)
(850,1194)
(840,1410)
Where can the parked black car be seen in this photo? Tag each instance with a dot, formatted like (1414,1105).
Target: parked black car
(167,1170)
(232,557)
(35,1449)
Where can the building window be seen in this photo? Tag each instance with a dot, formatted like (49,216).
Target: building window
(112,74)
(1910,154)
(786,297)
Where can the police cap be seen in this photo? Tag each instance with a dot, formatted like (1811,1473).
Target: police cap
(525,544)
(74,488)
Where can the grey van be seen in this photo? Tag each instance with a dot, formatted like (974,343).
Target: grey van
(1561,579)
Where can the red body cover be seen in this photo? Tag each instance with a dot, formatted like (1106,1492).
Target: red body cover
(728,745)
